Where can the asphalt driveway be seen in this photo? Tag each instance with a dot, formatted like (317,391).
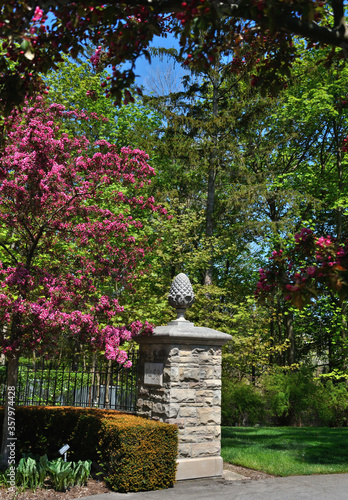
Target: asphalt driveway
(315,487)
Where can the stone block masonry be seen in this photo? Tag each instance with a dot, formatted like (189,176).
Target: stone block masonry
(186,391)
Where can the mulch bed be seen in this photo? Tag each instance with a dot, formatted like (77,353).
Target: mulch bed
(93,487)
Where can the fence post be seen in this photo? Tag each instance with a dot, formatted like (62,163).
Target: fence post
(179,382)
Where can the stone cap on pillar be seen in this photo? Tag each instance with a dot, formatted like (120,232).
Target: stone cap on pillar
(185,332)
(180,330)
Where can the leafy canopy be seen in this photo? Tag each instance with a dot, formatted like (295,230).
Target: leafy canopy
(36,34)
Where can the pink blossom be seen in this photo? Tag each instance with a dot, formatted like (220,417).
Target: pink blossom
(323,242)
(311,270)
(303,234)
(37,14)
(52,191)
(319,263)
(292,288)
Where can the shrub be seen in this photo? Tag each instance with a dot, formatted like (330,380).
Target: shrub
(295,398)
(289,396)
(331,404)
(276,390)
(285,397)
(44,430)
(142,452)
(242,404)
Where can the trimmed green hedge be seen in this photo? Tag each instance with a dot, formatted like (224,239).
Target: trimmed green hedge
(141,457)
(137,454)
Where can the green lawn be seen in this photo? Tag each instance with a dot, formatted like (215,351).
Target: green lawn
(287,451)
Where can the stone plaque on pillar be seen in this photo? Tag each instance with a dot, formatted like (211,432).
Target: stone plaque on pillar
(190,393)
(153,374)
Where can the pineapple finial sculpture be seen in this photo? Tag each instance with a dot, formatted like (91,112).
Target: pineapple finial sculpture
(181,295)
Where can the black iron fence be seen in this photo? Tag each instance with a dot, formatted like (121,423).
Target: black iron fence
(87,383)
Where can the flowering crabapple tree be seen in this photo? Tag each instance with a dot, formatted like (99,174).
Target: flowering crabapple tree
(35,42)
(68,234)
(302,271)
(306,270)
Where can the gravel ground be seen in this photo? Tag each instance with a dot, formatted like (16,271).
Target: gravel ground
(244,471)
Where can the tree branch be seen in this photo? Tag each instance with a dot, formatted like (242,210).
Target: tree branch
(9,252)
(336,36)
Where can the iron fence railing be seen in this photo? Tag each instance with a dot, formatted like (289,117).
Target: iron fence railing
(91,383)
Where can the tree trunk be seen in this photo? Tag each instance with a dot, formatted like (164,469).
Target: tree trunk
(208,277)
(253,373)
(330,354)
(107,385)
(340,181)
(8,430)
(92,387)
(340,192)
(290,335)
(271,329)
(344,337)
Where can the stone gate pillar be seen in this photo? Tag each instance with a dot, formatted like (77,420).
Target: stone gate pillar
(179,382)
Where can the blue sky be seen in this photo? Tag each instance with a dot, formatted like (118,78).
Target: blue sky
(146,70)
